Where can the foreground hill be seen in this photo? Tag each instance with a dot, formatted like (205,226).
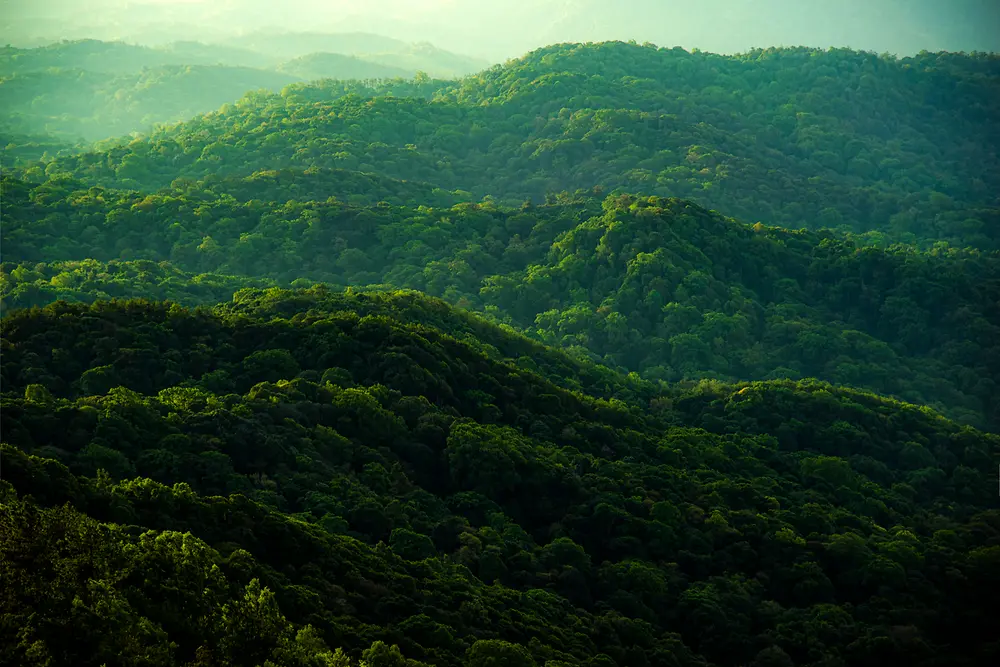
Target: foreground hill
(657,286)
(791,137)
(301,470)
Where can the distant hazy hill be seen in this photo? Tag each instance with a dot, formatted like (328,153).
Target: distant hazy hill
(89,89)
(77,104)
(294,44)
(118,57)
(430,59)
(375,48)
(337,66)
(218,54)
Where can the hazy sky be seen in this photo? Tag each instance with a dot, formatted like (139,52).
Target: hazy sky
(507,28)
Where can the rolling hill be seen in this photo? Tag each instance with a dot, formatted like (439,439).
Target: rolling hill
(301,470)
(657,286)
(790,137)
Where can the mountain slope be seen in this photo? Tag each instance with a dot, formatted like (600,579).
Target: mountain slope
(389,482)
(791,137)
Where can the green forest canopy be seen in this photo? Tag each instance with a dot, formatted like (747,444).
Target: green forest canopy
(657,286)
(603,445)
(792,137)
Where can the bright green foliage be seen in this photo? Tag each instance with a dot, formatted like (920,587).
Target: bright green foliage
(451,508)
(657,286)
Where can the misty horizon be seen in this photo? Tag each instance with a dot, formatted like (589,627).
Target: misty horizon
(500,31)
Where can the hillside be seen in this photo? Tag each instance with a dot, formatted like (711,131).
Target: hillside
(657,286)
(367,474)
(790,137)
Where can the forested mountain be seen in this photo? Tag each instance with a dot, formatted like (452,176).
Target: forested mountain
(791,137)
(410,372)
(346,462)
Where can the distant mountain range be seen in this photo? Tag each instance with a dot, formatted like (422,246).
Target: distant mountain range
(91,89)
(261,50)
(497,31)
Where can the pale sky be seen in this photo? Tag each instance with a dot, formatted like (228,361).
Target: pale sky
(500,29)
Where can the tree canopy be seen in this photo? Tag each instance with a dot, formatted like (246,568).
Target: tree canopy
(608,356)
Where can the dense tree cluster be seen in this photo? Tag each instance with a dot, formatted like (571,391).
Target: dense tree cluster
(282,475)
